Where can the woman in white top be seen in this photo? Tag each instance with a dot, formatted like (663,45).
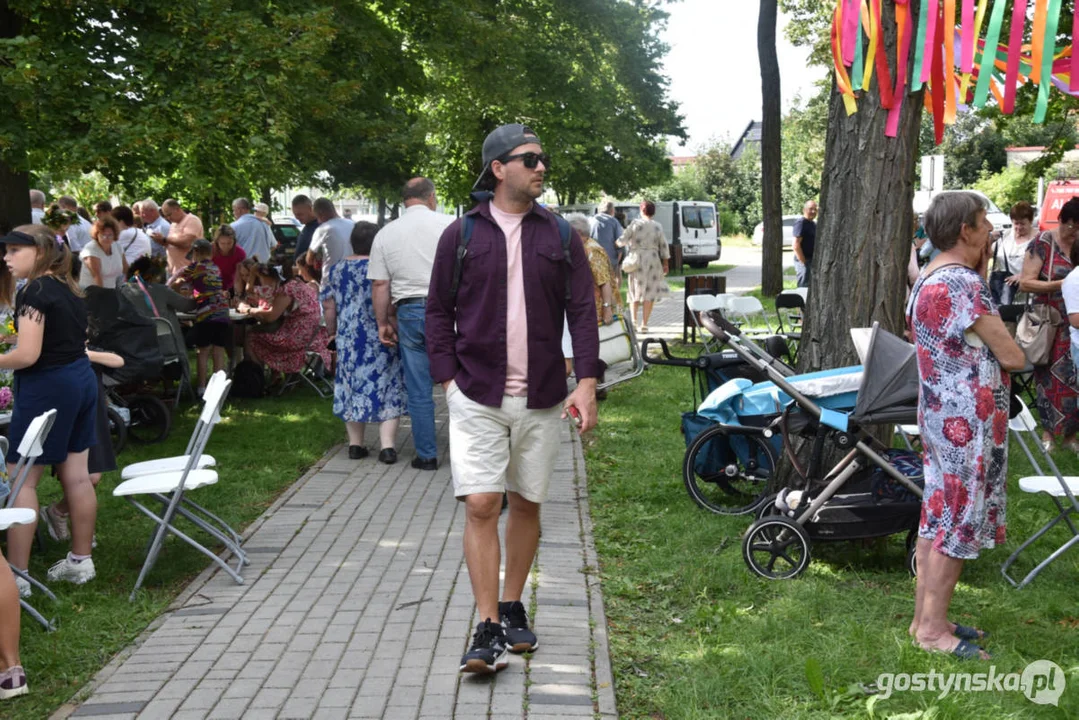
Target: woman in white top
(103,263)
(1009,253)
(134,242)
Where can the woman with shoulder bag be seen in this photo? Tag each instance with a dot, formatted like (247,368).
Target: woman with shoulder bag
(1008,253)
(1047,263)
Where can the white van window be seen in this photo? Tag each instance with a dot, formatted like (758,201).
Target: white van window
(698,217)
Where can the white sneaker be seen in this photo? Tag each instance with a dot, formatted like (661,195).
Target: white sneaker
(55,523)
(25,590)
(73,572)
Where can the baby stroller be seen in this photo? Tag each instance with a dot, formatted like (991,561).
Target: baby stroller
(873,491)
(114,325)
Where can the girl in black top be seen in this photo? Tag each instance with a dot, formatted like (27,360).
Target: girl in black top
(52,372)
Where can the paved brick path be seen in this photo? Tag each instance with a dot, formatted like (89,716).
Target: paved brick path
(357,605)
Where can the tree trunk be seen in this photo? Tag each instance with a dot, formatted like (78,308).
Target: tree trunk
(865,227)
(771,156)
(381,211)
(14,197)
(14,183)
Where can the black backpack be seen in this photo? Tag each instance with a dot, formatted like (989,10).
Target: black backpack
(248,380)
(467,223)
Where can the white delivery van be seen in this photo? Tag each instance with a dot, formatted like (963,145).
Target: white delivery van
(693,224)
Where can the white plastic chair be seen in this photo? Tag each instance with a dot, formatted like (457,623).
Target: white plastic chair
(31,447)
(743,307)
(170,488)
(1053,484)
(723,298)
(177,463)
(698,304)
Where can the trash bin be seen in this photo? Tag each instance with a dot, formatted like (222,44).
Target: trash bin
(699,285)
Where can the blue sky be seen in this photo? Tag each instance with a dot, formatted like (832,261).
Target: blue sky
(714,72)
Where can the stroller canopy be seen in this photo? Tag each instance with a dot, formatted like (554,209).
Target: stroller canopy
(888,392)
(115,325)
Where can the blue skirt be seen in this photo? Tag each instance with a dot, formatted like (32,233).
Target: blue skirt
(72,391)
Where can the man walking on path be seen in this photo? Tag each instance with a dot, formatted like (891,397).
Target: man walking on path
(400,268)
(495,309)
(805,240)
(331,240)
(252,235)
(605,229)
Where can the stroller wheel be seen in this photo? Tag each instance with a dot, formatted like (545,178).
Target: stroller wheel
(727,469)
(767,508)
(912,562)
(776,548)
(150,419)
(117,429)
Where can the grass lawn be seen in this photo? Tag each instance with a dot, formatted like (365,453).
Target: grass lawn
(694,635)
(261,446)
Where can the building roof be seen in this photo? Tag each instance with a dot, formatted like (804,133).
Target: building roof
(752,134)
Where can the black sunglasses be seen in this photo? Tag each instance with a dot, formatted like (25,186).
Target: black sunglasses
(529,159)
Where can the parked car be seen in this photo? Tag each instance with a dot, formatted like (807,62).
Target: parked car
(286,235)
(788,231)
(1000,219)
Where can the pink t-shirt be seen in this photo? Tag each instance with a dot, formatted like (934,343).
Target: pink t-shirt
(190,225)
(516,316)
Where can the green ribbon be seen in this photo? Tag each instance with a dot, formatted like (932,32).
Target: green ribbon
(858,68)
(989,54)
(1049,50)
(919,47)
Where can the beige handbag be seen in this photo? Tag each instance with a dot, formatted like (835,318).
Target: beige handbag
(1037,329)
(631,263)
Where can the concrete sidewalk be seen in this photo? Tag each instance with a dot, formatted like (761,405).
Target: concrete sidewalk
(358,605)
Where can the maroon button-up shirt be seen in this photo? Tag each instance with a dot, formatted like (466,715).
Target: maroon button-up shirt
(466,340)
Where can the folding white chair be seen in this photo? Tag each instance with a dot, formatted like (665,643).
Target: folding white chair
(31,447)
(177,463)
(743,307)
(170,489)
(722,298)
(1054,485)
(698,304)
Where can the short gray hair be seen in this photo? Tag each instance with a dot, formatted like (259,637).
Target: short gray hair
(579,222)
(37,198)
(418,188)
(66,201)
(948,213)
(149,203)
(242,203)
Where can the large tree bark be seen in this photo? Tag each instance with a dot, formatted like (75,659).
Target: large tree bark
(771,156)
(865,227)
(14,182)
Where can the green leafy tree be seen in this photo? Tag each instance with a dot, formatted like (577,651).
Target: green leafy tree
(734,184)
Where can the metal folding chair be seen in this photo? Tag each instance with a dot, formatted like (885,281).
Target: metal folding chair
(1060,489)
(743,307)
(618,348)
(698,304)
(313,373)
(31,448)
(170,489)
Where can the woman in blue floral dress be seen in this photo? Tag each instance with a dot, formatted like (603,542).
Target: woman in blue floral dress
(964,355)
(370,381)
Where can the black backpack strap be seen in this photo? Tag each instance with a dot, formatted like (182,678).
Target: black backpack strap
(462,249)
(564,231)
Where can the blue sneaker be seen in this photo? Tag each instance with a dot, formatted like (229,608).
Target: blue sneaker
(515,621)
(488,653)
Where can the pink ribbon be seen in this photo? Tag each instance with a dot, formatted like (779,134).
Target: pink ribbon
(851,18)
(930,36)
(891,126)
(966,57)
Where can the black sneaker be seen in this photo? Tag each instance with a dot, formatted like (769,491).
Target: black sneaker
(357,452)
(488,653)
(425,463)
(515,621)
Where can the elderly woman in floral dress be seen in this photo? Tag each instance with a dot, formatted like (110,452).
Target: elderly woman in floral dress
(964,356)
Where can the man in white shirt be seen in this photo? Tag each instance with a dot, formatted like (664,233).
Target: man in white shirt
(135,242)
(37,206)
(253,235)
(331,240)
(152,222)
(400,268)
(78,235)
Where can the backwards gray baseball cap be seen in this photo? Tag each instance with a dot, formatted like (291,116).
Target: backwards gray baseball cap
(501,141)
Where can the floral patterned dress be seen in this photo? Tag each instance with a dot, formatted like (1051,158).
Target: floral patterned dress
(285,349)
(645,237)
(370,381)
(1058,402)
(962,414)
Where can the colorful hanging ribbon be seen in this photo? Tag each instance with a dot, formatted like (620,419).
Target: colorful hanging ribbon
(1046,74)
(1015,44)
(992,39)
